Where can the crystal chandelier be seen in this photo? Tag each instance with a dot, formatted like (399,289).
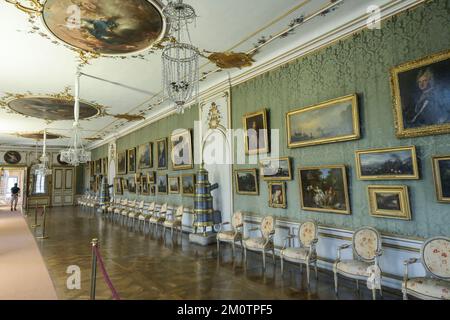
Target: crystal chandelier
(180,57)
(42,168)
(75,153)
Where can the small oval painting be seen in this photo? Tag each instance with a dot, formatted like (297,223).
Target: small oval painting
(105,26)
(58,158)
(12,157)
(50,108)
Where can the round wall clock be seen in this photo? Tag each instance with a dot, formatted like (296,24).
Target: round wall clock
(12,157)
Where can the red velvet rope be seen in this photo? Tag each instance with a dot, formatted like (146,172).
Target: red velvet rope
(115,295)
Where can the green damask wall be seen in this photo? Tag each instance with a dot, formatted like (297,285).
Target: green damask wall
(154,131)
(358,64)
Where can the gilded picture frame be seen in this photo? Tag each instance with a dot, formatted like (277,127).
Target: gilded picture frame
(248,184)
(151,177)
(118,188)
(174,185)
(277,194)
(258,122)
(144,185)
(402,159)
(388,201)
(317,195)
(187,185)
(181,150)
(267,169)
(442,179)
(145,155)
(161,154)
(162,185)
(122,160)
(350,127)
(423,73)
(131,160)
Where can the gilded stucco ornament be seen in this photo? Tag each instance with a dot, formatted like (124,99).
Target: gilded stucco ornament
(230,59)
(38,135)
(214,116)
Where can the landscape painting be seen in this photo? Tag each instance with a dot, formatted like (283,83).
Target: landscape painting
(324,189)
(275,169)
(422,96)
(441,170)
(246,182)
(174,185)
(188,184)
(389,202)
(162,184)
(122,162)
(387,164)
(332,121)
(145,156)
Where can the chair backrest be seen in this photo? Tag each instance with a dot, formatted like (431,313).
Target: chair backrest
(237,220)
(141,205)
(163,209)
(267,226)
(124,202)
(435,254)
(366,243)
(151,206)
(179,212)
(307,232)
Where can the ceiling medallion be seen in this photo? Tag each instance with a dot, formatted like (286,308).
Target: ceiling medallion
(228,60)
(38,135)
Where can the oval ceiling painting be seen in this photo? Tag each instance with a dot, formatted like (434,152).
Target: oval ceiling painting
(110,27)
(51,109)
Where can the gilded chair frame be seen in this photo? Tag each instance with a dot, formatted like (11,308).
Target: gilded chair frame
(236,228)
(268,241)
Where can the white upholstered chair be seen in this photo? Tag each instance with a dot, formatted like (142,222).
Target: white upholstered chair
(435,258)
(233,235)
(158,217)
(146,214)
(263,243)
(134,214)
(175,221)
(306,252)
(366,247)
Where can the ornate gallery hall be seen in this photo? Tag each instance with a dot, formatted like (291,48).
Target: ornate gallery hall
(225,150)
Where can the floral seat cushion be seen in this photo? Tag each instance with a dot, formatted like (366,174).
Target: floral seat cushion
(227,235)
(296,253)
(168,223)
(154,219)
(354,267)
(434,288)
(255,243)
(436,257)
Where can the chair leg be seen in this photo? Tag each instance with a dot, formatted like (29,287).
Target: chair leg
(273,255)
(307,273)
(315,268)
(381,291)
(218,247)
(335,283)
(245,256)
(374,294)
(281,264)
(405,295)
(264,259)
(233,248)
(357,285)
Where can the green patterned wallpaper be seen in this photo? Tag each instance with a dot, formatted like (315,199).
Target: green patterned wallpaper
(358,64)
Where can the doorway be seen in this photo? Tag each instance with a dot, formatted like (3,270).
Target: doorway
(9,176)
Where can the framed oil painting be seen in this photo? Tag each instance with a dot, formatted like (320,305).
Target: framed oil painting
(124,184)
(98,166)
(246,182)
(256,129)
(161,154)
(441,172)
(324,189)
(174,185)
(275,169)
(92,168)
(118,188)
(131,184)
(152,189)
(162,184)
(145,190)
(277,194)
(387,164)
(188,184)
(151,177)
(331,121)
(181,150)
(105,166)
(389,202)
(145,156)
(421,96)
(131,160)
(122,162)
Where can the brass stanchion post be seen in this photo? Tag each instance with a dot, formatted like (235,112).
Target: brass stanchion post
(94,244)
(35,225)
(43,236)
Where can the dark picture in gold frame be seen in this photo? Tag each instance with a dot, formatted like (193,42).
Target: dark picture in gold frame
(151,177)
(324,189)
(132,184)
(389,202)
(331,121)
(181,150)
(174,185)
(162,184)
(145,156)
(246,182)
(92,168)
(396,163)
(277,194)
(98,166)
(131,160)
(145,190)
(421,96)
(105,166)
(256,132)
(118,187)
(441,173)
(161,154)
(188,184)
(122,162)
(275,169)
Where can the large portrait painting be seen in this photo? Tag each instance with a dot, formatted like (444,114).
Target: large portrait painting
(441,170)
(181,150)
(145,155)
(275,169)
(131,160)
(256,129)
(421,91)
(324,189)
(389,202)
(387,164)
(161,154)
(331,121)
(122,162)
(105,26)
(246,182)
